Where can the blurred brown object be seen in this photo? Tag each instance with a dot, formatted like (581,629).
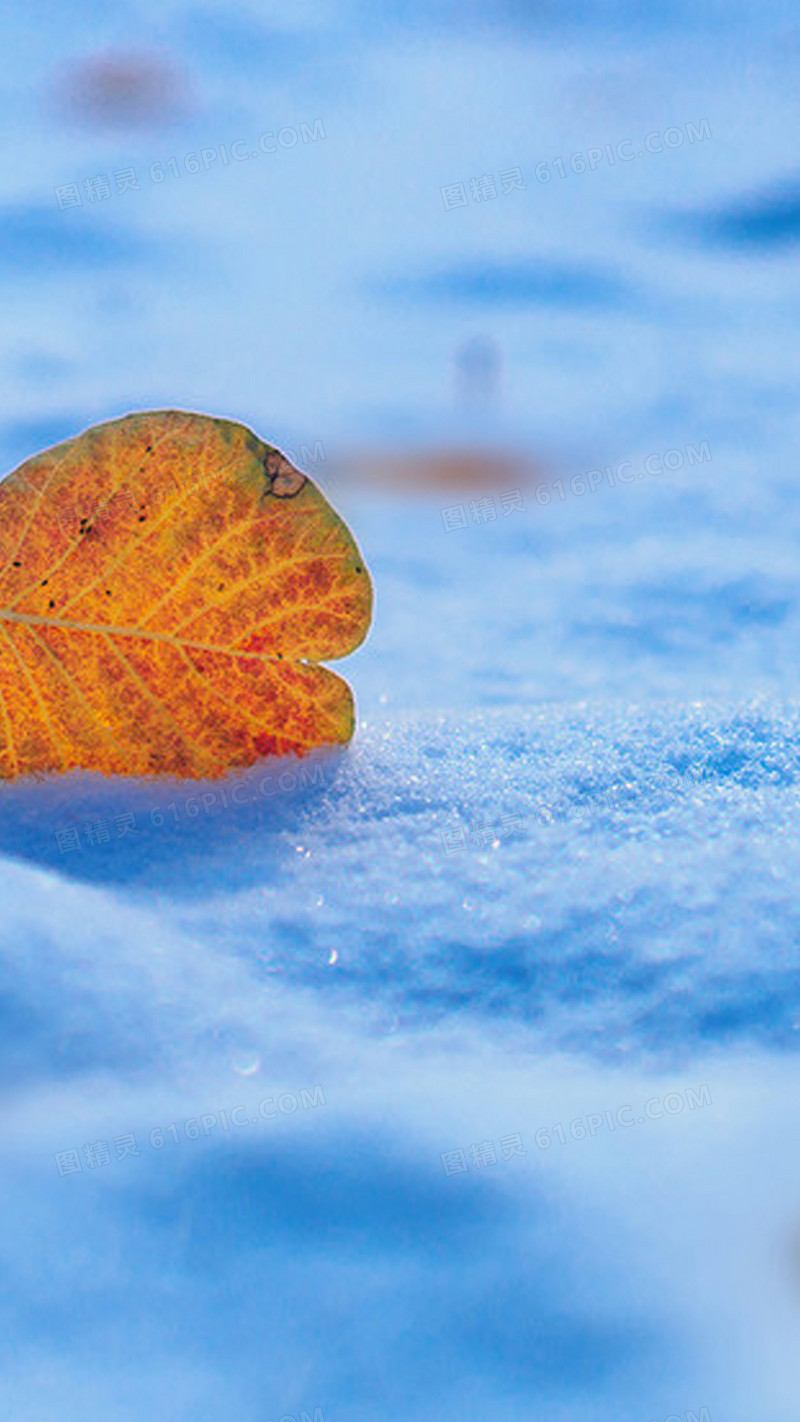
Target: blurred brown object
(417,470)
(123,88)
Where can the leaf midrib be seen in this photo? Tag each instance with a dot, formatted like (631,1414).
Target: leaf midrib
(105,629)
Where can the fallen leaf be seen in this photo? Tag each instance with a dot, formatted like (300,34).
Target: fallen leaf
(168,584)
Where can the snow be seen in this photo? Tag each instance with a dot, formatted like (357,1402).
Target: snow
(321,949)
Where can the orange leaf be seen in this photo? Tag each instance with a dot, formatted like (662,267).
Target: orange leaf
(168,583)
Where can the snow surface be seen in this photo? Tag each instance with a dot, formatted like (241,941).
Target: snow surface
(602,691)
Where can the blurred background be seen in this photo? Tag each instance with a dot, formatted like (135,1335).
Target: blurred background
(431,247)
(517,284)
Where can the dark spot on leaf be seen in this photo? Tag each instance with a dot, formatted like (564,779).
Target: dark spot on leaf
(51,603)
(284,481)
(17,563)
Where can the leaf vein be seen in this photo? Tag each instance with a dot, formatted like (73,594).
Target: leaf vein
(75,687)
(37,695)
(267,576)
(74,546)
(143,687)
